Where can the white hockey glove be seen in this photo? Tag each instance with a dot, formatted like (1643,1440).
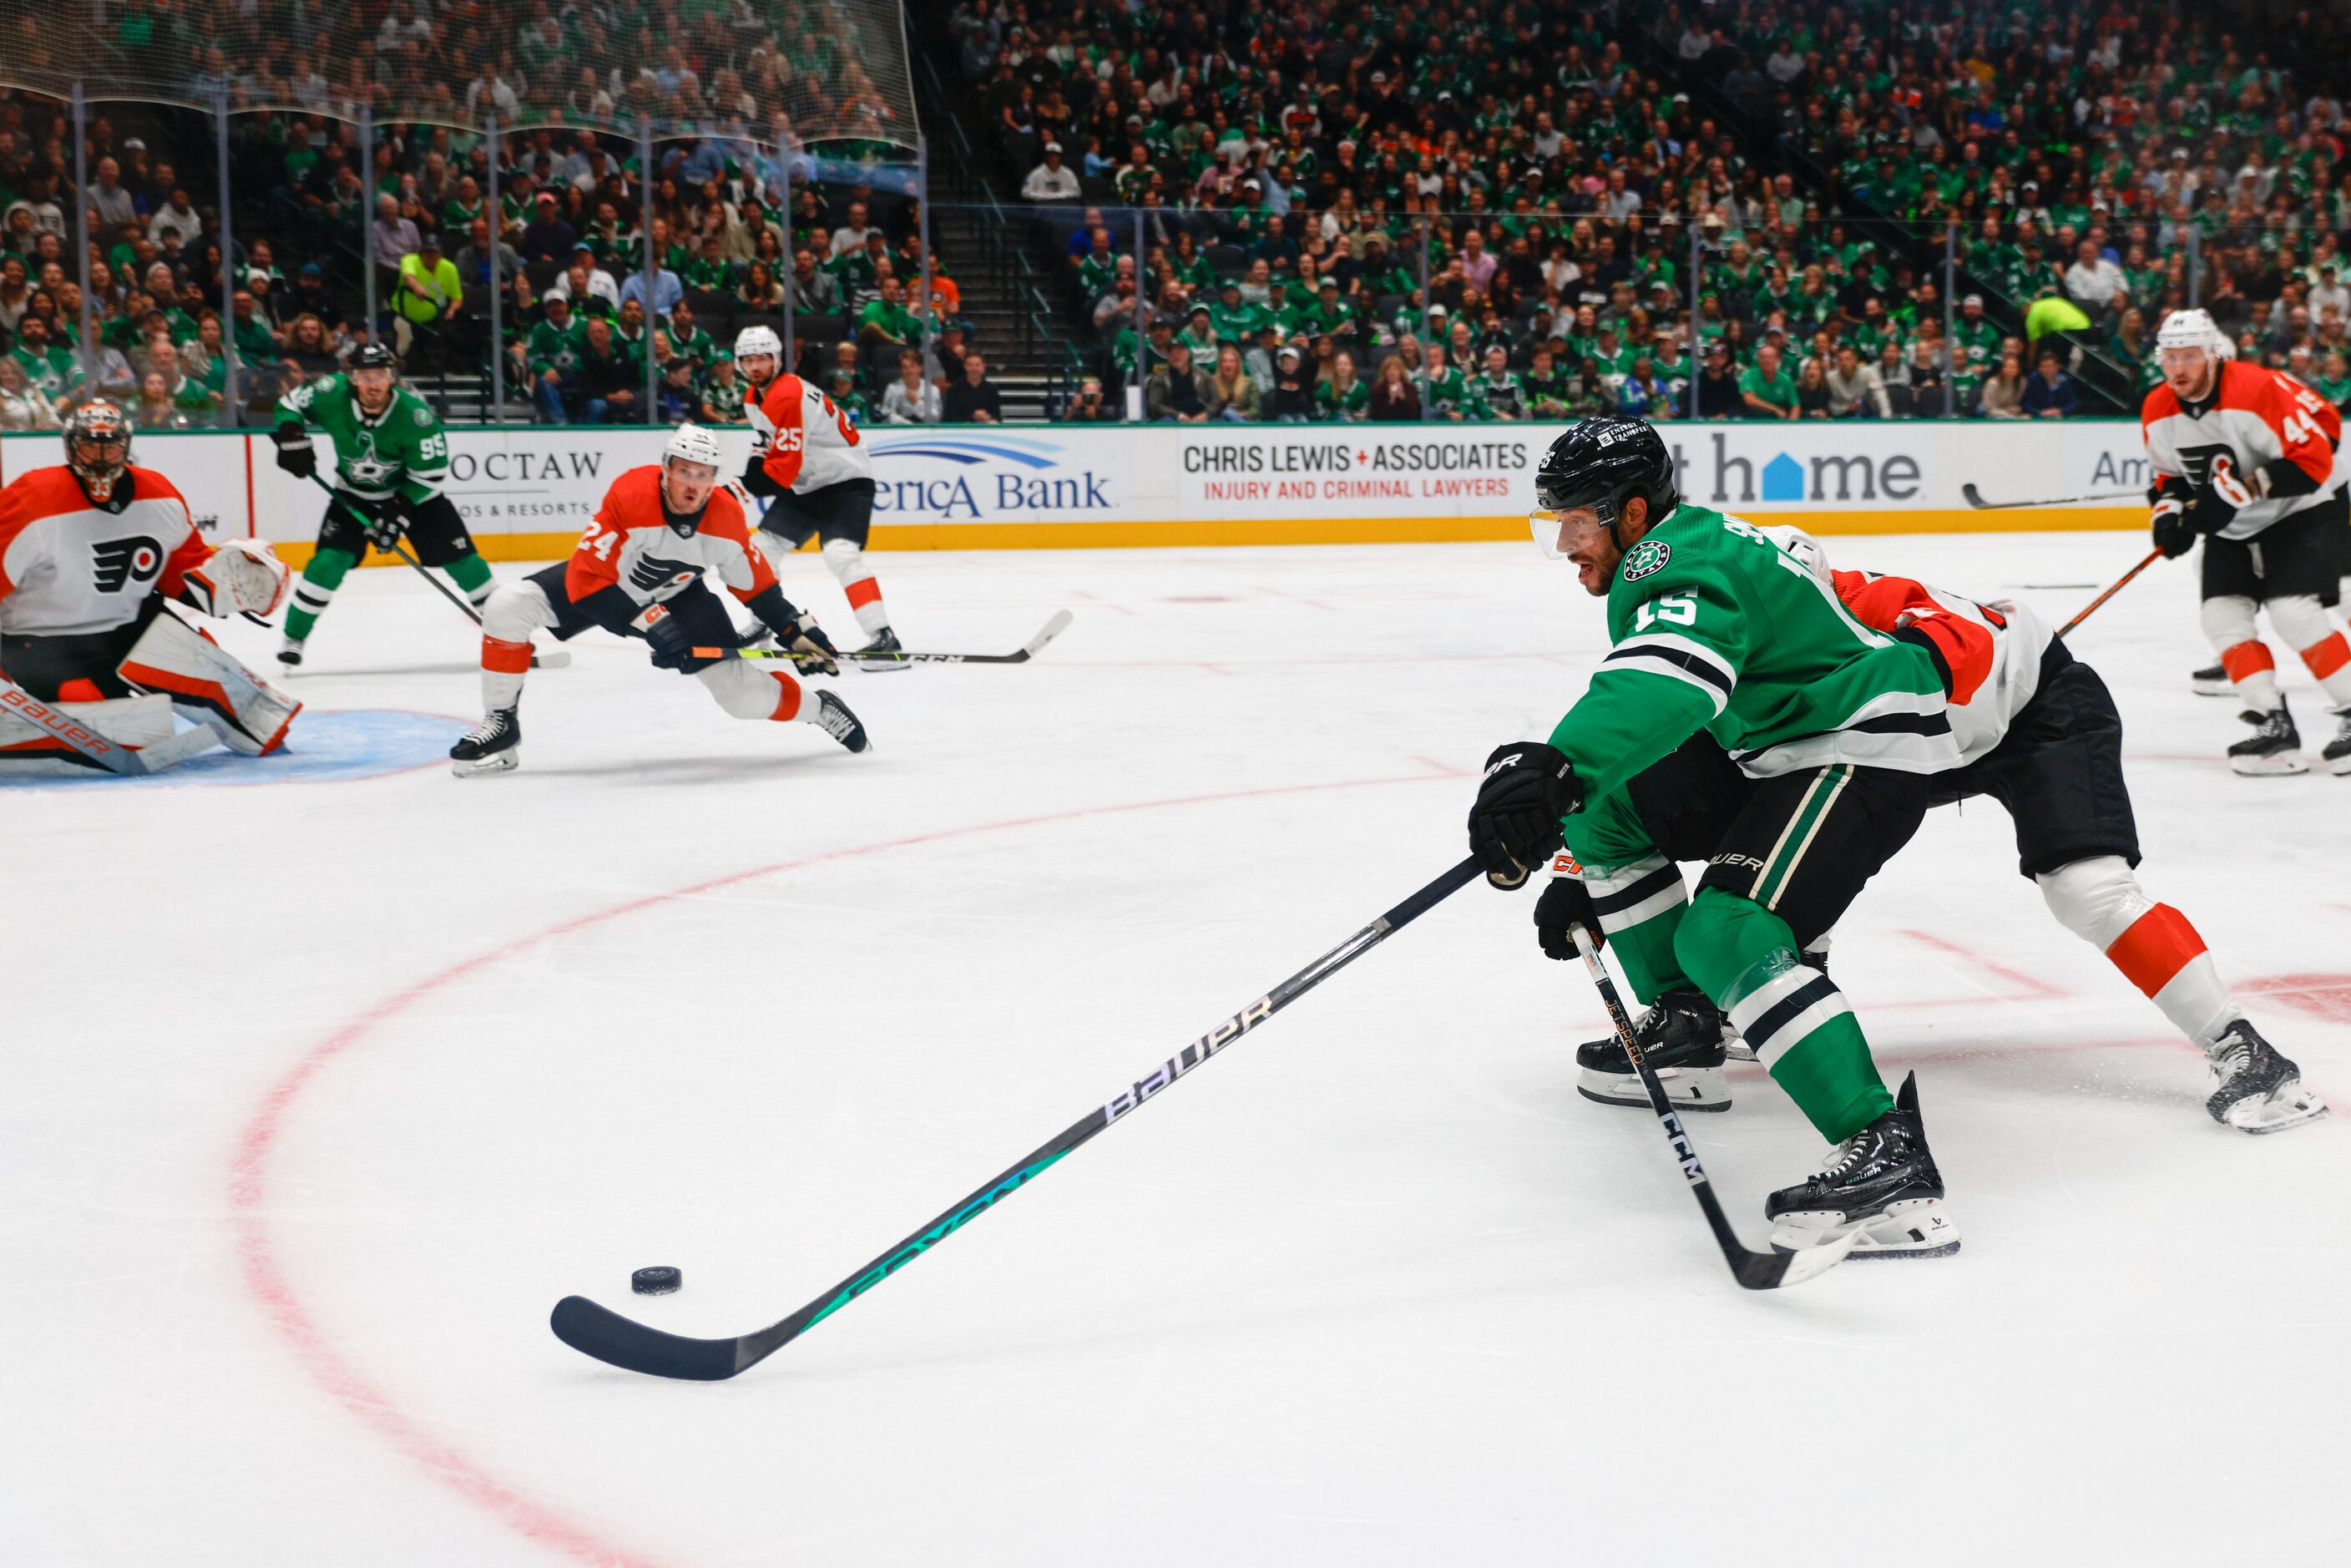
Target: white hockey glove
(241,577)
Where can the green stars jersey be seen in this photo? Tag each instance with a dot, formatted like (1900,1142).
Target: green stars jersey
(403,452)
(1714,626)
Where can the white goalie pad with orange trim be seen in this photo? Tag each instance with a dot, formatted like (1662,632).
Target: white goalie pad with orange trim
(201,681)
(70,740)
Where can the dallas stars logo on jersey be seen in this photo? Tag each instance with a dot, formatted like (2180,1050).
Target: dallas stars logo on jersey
(1647,559)
(401,451)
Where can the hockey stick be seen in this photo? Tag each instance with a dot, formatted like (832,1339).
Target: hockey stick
(1051,629)
(86,741)
(553,659)
(1755,1271)
(2120,583)
(1975,499)
(626,1343)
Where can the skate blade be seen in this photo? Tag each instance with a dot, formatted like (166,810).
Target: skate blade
(2339,766)
(880,666)
(499,762)
(2213,688)
(1917,1227)
(2275,1112)
(1686,1088)
(2281,765)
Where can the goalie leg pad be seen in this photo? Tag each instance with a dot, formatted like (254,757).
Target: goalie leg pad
(172,657)
(29,750)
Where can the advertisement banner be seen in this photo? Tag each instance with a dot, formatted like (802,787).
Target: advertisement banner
(528,492)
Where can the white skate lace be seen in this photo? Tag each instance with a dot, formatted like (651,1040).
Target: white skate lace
(832,719)
(1847,1155)
(489,728)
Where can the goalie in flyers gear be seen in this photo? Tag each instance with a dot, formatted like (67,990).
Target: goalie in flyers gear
(2038,733)
(89,553)
(816,475)
(2251,461)
(638,572)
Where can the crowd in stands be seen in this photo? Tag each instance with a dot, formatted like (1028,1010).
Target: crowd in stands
(2101,165)
(1312,211)
(1555,165)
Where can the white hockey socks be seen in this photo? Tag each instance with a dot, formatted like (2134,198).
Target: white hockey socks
(2152,944)
(847,562)
(2303,622)
(746,690)
(510,614)
(2228,625)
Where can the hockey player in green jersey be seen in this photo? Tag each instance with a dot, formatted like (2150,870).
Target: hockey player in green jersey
(391,455)
(1824,735)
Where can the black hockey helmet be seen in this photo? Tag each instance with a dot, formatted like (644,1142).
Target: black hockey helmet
(97,446)
(1601,464)
(374,356)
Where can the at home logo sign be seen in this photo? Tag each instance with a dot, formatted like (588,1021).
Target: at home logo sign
(1851,463)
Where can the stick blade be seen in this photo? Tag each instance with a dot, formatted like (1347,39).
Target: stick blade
(1052,628)
(1771,1270)
(625,1343)
(1974,496)
(552,659)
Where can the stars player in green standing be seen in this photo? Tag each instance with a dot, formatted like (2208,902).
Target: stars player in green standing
(391,455)
(1801,745)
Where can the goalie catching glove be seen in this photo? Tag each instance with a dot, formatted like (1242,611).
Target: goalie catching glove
(239,578)
(1514,826)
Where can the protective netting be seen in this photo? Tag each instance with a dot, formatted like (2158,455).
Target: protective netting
(776,73)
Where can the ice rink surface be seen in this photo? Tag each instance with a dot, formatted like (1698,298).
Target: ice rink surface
(315,1096)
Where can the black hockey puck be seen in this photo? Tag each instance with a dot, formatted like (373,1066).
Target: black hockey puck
(655,1282)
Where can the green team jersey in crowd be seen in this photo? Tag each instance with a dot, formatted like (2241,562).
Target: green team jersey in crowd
(557,349)
(1330,403)
(1714,627)
(403,452)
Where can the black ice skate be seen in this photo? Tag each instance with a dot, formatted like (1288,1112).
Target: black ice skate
(2212,681)
(833,717)
(2338,755)
(1882,1183)
(887,642)
(290,651)
(2256,1090)
(1682,1039)
(2274,747)
(496,747)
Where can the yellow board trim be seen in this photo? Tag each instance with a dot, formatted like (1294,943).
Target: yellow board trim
(1132,534)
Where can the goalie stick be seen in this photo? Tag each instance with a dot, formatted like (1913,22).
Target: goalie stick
(1756,1271)
(84,739)
(1975,498)
(607,1336)
(1022,656)
(553,659)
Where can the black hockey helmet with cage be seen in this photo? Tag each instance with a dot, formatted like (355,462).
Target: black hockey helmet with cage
(1601,464)
(97,446)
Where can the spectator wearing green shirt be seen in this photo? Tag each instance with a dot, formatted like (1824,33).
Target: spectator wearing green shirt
(1234,320)
(1200,336)
(1341,396)
(552,356)
(428,295)
(2334,383)
(1766,388)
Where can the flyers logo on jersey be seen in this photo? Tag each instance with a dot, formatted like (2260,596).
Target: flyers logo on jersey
(651,574)
(117,563)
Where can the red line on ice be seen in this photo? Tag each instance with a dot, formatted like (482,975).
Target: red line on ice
(265,1272)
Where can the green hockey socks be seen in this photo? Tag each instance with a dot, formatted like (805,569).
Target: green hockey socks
(317,589)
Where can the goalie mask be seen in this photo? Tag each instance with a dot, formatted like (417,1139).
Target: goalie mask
(97,448)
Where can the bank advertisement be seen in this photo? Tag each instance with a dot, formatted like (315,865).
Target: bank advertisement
(526,492)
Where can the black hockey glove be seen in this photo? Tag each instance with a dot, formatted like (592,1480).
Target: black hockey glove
(812,651)
(1565,903)
(673,647)
(1514,826)
(2175,536)
(295,453)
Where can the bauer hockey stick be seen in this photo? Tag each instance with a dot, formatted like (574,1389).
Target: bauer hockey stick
(2120,583)
(1975,498)
(626,1343)
(1020,656)
(1756,1271)
(553,659)
(84,741)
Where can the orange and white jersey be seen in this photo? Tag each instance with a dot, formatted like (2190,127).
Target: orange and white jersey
(804,439)
(1992,654)
(69,566)
(2262,436)
(631,543)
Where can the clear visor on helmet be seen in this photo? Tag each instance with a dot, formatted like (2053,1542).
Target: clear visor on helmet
(1549,529)
(1557,530)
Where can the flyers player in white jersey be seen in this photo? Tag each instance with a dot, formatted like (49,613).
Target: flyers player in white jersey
(813,470)
(90,552)
(2250,460)
(2038,732)
(637,573)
